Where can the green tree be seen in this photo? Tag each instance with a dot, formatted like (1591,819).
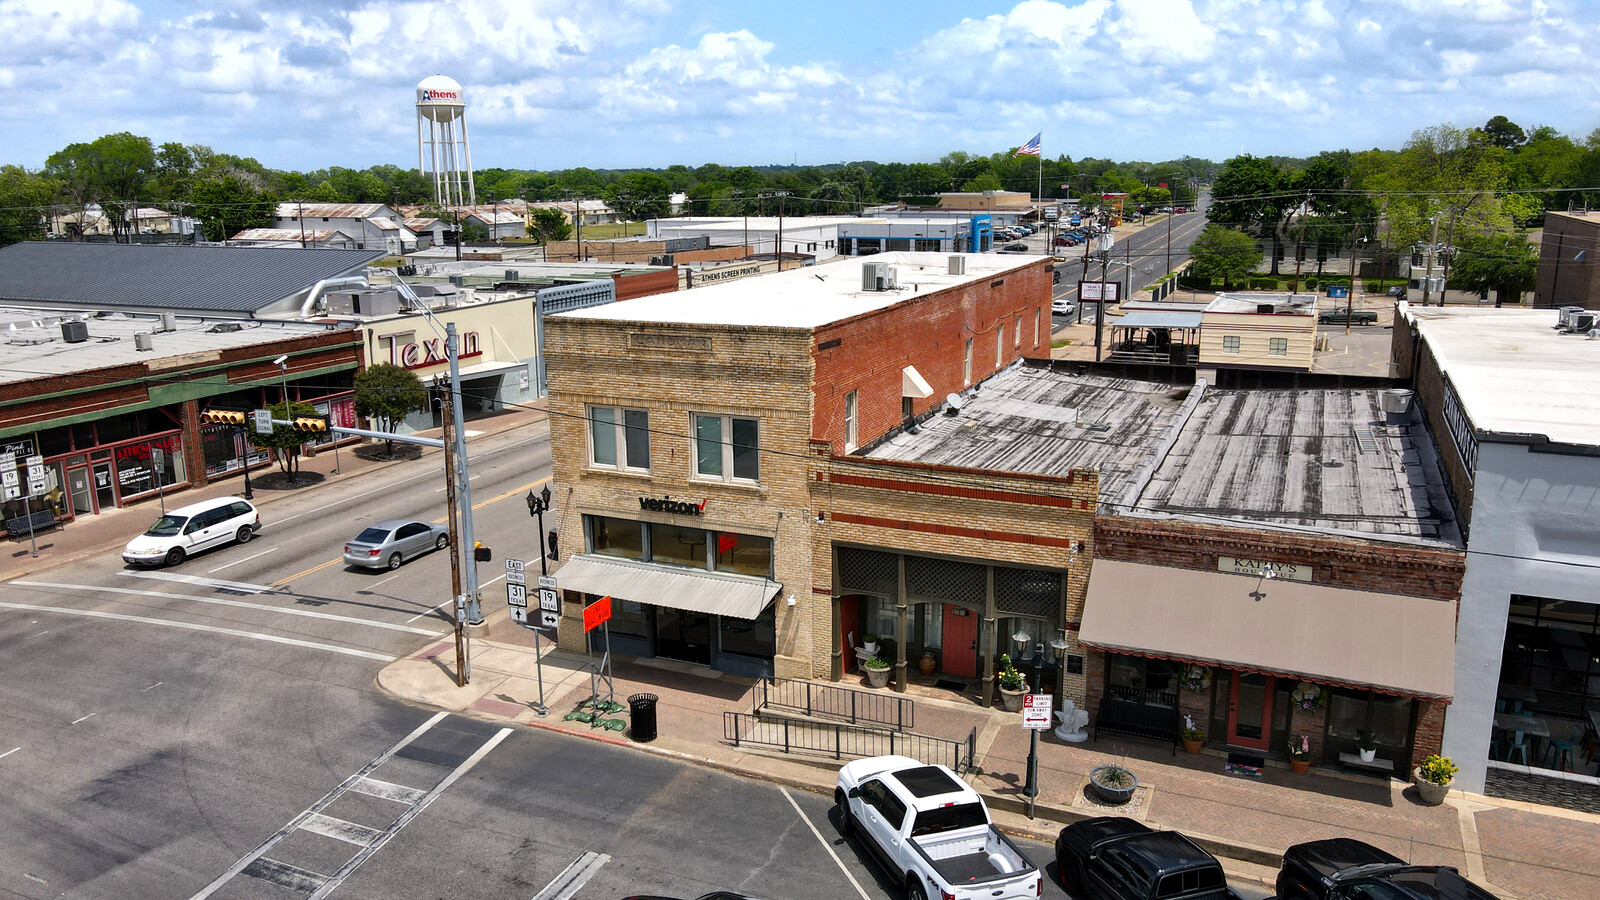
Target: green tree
(1504,133)
(111,170)
(1253,194)
(640,196)
(24,199)
(228,206)
(388,393)
(1223,254)
(287,441)
(550,225)
(1504,263)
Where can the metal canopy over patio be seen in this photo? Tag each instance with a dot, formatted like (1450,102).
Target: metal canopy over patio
(1149,336)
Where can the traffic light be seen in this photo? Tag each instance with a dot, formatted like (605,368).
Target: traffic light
(222,417)
(310,423)
(552,537)
(480,553)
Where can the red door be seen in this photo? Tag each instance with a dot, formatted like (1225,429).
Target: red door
(960,641)
(1250,710)
(849,626)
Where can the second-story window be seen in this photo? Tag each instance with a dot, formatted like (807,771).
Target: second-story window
(1278,346)
(727,448)
(850,405)
(999,344)
(966,367)
(619,438)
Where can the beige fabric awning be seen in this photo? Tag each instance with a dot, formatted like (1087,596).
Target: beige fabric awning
(1336,636)
(738,596)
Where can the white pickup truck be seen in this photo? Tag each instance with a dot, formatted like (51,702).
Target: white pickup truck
(931,829)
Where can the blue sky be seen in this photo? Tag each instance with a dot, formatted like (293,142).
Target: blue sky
(616,83)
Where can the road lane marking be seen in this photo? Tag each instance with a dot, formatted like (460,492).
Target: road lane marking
(153,686)
(192,626)
(247,587)
(283,581)
(825,845)
(9,752)
(40,634)
(245,560)
(572,879)
(387,580)
(81,718)
(218,601)
(433,610)
(469,480)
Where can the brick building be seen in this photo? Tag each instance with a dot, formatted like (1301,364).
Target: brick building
(712,447)
(1569,251)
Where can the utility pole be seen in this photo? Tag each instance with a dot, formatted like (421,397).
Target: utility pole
(452,344)
(1449,251)
(577,218)
(447,419)
(1350,296)
(1300,247)
(1100,308)
(300,213)
(1427,279)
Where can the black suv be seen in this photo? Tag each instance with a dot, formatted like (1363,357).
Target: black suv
(1348,869)
(1117,858)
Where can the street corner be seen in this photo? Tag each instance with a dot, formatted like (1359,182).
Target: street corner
(428,677)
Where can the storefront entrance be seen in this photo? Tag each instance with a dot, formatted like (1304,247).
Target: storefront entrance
(78,488)
(683,635)
(105,494)
(1250,710)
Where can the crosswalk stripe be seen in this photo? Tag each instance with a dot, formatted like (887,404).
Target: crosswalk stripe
(385,790)
(310,614)
(573,877)
(339,829)
(201,580)
(192,626)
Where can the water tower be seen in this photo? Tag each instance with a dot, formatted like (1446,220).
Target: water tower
(443,152)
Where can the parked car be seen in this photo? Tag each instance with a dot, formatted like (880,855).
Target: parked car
(188,530)
(1061,306)
(931,832)
(1015,248)
(1338,316)
(1117,858)
(1348,869)
(393,541)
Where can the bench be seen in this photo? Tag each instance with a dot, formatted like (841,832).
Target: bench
(43,520)
(1138,720)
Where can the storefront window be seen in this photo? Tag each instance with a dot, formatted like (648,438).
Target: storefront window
(749,638)
(1149,682)
(1351,712)
(744,554)
(678,546)
(627,618)
(136,469)
(616,537)
(1551,659)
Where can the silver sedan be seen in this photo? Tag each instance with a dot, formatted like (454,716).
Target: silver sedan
(391,542)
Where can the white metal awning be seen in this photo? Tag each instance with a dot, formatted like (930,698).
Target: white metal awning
(739,596)
(490,368)
(912,384)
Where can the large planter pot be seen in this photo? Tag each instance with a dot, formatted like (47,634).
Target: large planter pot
(878,677)
(1111,794)
(1193,746)
(928,664)
(1299,766)
(1429,793)
(1012,700)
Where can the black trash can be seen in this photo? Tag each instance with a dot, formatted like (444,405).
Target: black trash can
(642,709)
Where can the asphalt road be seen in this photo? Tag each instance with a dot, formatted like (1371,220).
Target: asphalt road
(1144,253)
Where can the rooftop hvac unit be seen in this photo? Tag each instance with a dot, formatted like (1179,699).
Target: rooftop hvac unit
(894,278)
(458,280)
(1565,315)
(874,276)
(513,275)
(958,265)
(1581,321)
(74,332)
(169,322)
(144,341)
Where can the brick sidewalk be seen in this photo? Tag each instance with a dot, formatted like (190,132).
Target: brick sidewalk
(92,535)
(1518,850)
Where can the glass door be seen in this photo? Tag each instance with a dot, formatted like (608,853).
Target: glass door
(105,493)
(80,492)
(1250,710)
(684,635)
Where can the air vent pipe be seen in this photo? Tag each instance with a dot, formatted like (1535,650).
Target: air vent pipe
(321,286)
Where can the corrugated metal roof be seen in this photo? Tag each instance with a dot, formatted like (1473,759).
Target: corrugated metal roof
(289,234)
(420,223)
(166,277)
(290,210)
(1147,319)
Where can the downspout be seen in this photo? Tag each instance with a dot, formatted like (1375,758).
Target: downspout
(319,287)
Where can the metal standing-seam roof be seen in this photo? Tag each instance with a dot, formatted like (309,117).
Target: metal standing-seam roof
(166,278)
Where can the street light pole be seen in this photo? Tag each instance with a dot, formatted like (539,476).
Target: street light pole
(537,504)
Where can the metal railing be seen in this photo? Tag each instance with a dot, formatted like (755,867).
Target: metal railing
(840,740)
(834,702)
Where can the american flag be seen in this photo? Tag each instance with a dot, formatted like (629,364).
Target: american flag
(1031,148)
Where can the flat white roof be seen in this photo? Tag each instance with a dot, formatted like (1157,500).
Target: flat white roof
(808,297)
(1515,373)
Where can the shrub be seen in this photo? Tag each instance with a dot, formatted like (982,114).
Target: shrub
(877,662)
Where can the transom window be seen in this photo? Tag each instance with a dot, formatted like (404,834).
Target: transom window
(727,448)
(619,438)
(1230,343)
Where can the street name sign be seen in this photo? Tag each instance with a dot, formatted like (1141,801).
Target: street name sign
(1036,710)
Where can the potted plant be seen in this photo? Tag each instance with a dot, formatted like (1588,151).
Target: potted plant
(1300,754)
(1113,783)
(869,643)
(1367,743)
(1193,738)
(1012,687)
(1434,777)
(877,671)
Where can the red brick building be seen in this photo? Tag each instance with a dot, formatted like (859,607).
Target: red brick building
(1569,252)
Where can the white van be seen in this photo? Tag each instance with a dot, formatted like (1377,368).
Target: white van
(198,526)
